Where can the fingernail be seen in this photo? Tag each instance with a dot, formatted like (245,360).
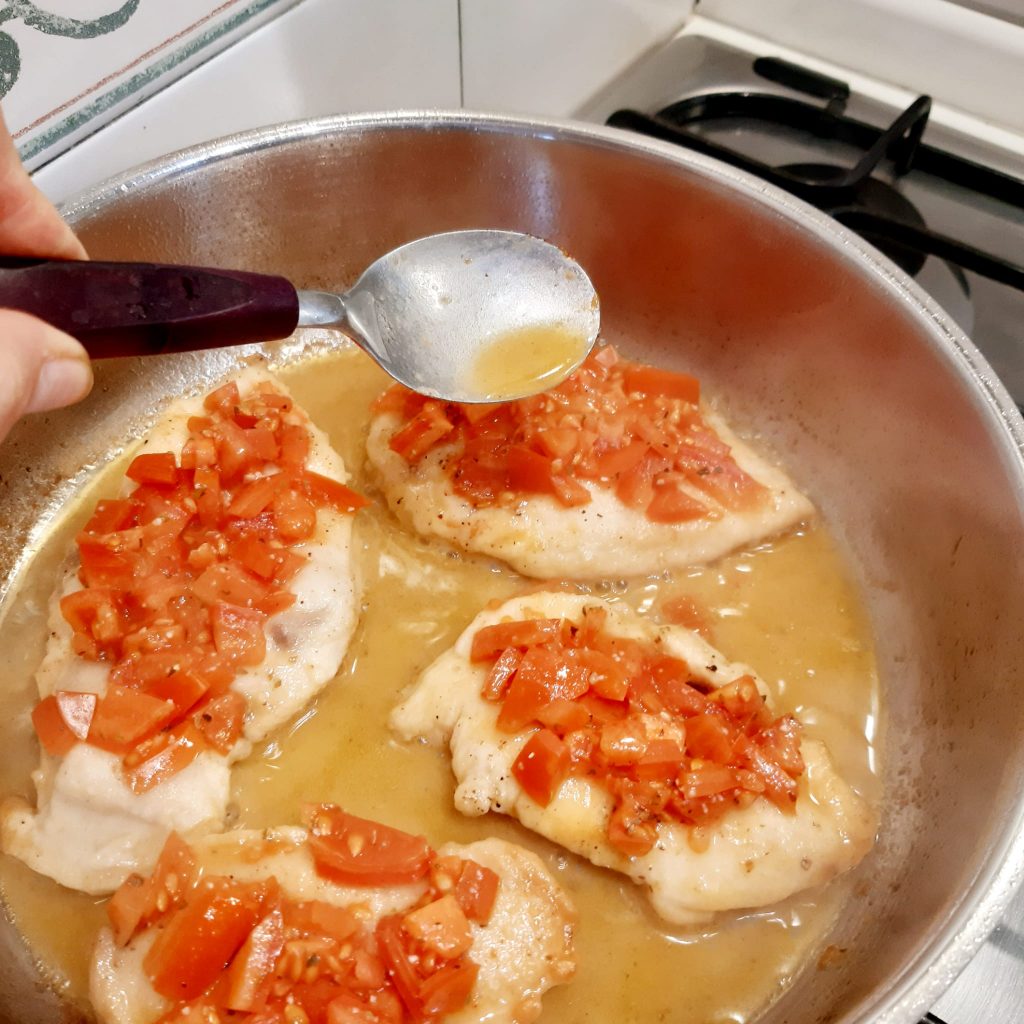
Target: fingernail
(61,381)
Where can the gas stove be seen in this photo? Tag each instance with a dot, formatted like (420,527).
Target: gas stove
(943,196)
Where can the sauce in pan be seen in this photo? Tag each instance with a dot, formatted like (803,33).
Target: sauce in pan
(788,609)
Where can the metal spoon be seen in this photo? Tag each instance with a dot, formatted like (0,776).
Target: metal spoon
(467,316)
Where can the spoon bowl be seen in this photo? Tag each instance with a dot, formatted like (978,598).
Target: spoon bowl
(475,316)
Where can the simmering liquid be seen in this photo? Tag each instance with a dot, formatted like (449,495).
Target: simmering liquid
(788,609)
(524,361)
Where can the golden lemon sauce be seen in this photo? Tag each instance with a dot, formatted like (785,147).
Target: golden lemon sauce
(787,608)
(526,361)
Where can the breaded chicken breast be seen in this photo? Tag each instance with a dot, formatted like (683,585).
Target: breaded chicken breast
(214,674)
(641,748)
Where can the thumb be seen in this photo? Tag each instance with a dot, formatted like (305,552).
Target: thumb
(41,368)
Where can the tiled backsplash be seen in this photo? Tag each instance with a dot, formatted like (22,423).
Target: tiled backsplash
(69,66)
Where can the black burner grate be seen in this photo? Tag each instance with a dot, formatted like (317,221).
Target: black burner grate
(868,205)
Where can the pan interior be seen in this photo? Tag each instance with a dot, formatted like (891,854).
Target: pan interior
(838,370)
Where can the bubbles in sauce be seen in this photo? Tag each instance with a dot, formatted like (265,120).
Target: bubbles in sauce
(787,608)
(525,361)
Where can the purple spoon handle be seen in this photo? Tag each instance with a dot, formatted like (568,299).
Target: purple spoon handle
(133,309)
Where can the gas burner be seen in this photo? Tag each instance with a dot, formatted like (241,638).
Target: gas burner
(857,195)
(872,196)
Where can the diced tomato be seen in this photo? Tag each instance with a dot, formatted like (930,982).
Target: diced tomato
(317,917)
(294,446)
(223,400)
(124,718)
(253,497)
(440,926)
(661,761)
(198,453)
(62,719)
(671,504)
(563,716)
(208,496)
(422,432)
(347,1009)
(109,517)
(544,675)
(252,968)
(705,778)
(501,673)
(262,443)
(93,608)
(140,901)
(402,964)
(616,461)
(228,583)
(624,742)
(158,469)
(709,737)
(671,678)
(238,633)
(476,891)
(542,766)
(559,442)
(327,493)
(448,990)
(356,851)
(570,492)
(219,721)
(201,937)
(649,380)
(294,516)
(607,677)
(529,471)
(169,755)
(490,641)
(104,566)
(635,487)
(781,741)
(182,687)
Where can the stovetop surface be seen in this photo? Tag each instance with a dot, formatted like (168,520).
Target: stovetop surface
(991,989)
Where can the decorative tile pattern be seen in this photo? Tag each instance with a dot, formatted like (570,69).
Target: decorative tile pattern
(69,66)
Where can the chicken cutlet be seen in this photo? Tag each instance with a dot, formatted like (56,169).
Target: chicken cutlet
(641,748)
(350,922)
(206,606)
(621,470)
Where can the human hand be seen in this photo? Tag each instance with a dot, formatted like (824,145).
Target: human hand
(40,367)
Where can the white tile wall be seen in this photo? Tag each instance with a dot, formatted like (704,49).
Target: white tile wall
(321,57)
(540,57)
(69,66)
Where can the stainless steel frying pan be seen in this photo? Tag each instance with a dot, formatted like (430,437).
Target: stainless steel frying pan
(887,414)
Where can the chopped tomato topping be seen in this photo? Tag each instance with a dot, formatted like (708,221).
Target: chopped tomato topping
(636,721)
(179,579)
(542,765)
(158,468)
(138,901)
(476,891)
(63,719)
(635,430)
(224,948)
(441,926)
(201,937)
(361,852)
